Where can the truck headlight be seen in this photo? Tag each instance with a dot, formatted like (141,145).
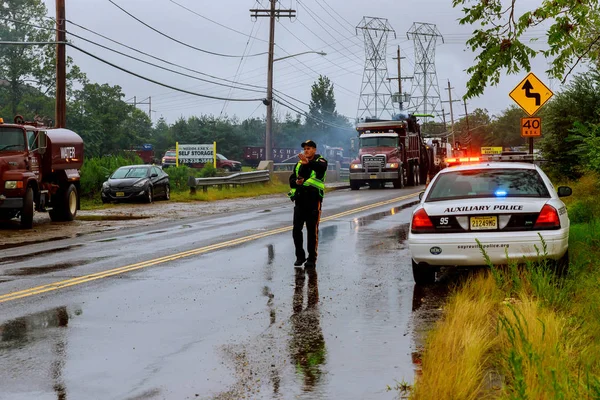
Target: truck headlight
(13,185)
(163,160)
(391,165)
(356,166)
(140,183)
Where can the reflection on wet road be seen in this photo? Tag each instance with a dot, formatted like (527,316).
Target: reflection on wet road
(231,324)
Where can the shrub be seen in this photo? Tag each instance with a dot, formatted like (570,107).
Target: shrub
(178,177)
(95,170)
(208,171)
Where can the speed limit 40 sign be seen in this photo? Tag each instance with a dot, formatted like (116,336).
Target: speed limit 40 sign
(531,127)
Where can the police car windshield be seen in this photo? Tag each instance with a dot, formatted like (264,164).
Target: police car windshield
(124,173)
(378,142)
(12,139)
(486,183)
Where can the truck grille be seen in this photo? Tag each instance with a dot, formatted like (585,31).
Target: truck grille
(374,163)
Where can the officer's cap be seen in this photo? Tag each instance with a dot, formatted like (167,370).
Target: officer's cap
(309,143)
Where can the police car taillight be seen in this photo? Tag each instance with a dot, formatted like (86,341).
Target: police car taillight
(421,221)
(548,218)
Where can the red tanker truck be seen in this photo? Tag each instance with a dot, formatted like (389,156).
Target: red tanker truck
(39,171)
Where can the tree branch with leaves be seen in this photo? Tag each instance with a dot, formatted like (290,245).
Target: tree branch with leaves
(573,36)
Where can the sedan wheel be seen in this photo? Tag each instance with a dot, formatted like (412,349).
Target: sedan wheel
(149,196)
(167,192)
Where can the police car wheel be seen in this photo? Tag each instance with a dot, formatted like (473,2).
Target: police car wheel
(423,274)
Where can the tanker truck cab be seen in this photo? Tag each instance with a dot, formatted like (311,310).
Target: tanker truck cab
(39,171)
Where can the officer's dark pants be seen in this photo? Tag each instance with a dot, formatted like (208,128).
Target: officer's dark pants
(309,214)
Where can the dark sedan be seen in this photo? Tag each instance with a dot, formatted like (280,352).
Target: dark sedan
(136,182)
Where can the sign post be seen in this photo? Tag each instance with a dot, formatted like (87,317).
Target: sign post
(531,94)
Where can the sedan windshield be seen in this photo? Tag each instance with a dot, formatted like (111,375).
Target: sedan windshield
(12,139)
(128,172)
(379,142)
(488,183)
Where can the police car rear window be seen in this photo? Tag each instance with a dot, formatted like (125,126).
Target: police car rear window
(487,183)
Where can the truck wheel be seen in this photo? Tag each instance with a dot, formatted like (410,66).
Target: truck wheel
(399,183)
(411,175)
(417,175)
(424,169)
(27,211)
(64,208)
(70,203)
(423,274)
(354,185)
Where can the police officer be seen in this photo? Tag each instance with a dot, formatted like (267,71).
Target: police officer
(308,188)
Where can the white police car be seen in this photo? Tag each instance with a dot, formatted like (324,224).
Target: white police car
(506,206)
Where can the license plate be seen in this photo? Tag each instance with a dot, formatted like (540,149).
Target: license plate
(483,223)
(373,176)
(120,194)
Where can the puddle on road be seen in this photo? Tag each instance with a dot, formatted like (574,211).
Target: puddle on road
(31,242)
(10,260)
(111,217)
(17,332)
(362,221)
(46,269)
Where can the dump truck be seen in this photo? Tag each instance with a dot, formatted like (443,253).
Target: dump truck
(39,171)
(390,151)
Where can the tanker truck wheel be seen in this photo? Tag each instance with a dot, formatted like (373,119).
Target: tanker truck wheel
(27,211)
(65,206)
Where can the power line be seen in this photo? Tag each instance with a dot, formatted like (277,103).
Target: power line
(307,115)
(179,41)
(133,49)
(154,81)
(217,23)
(242,61)
(163,68)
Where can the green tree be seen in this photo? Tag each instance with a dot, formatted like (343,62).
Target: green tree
(474,135)
(28,72)
(107,124)
(562,144)
(573,35)
(322,105)
(506,128)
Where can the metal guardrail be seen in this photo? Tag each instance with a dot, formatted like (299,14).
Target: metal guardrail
(344,174)
(277,167)
(238,179)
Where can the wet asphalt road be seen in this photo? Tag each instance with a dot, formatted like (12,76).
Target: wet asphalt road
(223,315)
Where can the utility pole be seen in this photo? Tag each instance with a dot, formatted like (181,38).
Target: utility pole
(468,130)
(147,100)
(449,89)
(271,14)
(400,78)
(61,66)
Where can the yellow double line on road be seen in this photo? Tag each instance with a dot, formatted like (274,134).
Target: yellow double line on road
(132,267)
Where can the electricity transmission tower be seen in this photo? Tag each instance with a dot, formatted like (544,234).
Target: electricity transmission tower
(376,92)
(425,94)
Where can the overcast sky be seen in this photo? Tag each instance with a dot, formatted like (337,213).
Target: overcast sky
(319,25)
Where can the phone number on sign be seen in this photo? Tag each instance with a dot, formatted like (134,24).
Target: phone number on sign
(195,160)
